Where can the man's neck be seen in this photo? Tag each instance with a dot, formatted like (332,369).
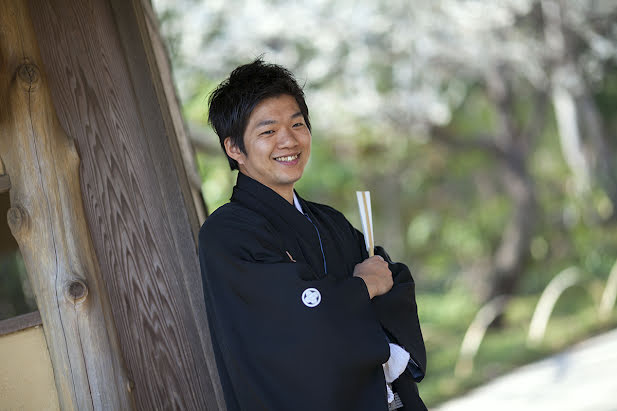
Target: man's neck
(289,196)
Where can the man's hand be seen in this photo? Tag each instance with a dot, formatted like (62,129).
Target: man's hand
(376,275)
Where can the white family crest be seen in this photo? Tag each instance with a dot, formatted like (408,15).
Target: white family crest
(311,297)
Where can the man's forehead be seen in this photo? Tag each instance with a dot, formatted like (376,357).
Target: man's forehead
(268,108)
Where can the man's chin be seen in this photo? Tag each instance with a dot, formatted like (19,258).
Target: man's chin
(290,178)
(293,181)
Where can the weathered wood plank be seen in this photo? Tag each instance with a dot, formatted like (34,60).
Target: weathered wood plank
(164,83)
(102,86)
(21,322)
(140,40)
(47,220)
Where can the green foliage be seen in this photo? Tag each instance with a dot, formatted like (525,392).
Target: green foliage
(195,106)
(217,179)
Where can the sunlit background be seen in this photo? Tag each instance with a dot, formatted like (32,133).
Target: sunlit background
(485,131)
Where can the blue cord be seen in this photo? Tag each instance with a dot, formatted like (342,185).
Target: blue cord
(320,244)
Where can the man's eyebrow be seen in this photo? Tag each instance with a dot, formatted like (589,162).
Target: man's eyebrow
(264,123)
(268,122)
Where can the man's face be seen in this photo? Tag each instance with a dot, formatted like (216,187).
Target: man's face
(277,143)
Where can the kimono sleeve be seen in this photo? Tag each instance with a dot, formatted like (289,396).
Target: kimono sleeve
(398,313)
(271,343)
(397,310)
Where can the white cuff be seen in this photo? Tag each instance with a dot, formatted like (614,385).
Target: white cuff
(396,364)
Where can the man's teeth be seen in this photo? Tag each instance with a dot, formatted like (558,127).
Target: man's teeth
(287,158)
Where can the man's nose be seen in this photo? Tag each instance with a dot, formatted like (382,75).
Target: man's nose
(286,137)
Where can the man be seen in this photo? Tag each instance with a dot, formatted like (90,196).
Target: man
(300,318)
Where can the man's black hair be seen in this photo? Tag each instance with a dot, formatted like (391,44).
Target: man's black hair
(232,102)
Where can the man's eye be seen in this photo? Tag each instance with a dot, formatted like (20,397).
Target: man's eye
(298,124)
(266,132)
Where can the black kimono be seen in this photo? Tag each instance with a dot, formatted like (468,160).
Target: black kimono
(278,343)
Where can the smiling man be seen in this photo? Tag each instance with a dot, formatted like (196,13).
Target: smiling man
(300,317)
(277,145)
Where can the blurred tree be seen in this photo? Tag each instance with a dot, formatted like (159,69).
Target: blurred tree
(386,77)
(580,41)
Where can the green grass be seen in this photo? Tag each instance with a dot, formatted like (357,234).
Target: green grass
(446,318)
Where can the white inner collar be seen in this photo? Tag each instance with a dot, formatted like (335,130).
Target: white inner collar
(297,204)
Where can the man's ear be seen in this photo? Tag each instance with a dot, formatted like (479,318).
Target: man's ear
(233,150)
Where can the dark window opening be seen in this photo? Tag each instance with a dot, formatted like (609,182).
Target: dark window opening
(16,296)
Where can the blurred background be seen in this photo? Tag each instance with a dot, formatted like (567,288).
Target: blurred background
(485,131)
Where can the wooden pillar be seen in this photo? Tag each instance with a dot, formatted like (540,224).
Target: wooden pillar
(47,219)
(109,95)
(160,67)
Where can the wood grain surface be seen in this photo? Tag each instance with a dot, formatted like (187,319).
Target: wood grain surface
(48,222)
(161,65)
(102,87)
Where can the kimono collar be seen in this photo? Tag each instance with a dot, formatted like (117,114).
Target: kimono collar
(267,202)
(297,203)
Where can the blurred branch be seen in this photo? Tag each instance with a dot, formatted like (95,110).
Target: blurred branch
(203,140)
(482,143)
(499,91)
(536,123)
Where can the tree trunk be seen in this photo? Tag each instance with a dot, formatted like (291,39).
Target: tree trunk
(579,124)
(508,262)
(601,153)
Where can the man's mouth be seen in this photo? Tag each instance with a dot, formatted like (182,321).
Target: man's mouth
(286,159)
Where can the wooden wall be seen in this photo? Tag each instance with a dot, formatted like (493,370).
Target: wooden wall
(107,93)
(26,374)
